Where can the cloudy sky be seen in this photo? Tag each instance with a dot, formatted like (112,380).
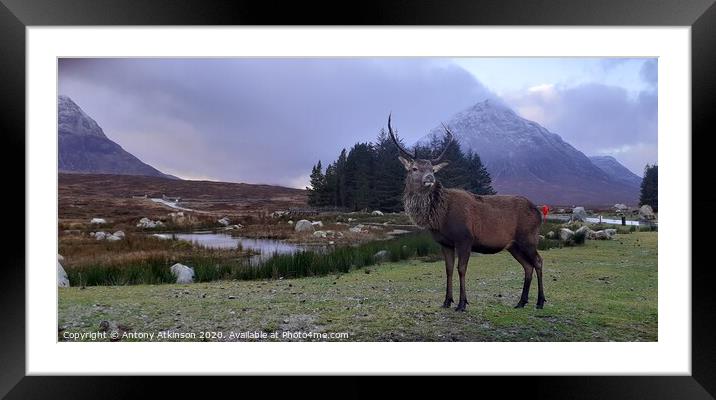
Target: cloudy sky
(268,120)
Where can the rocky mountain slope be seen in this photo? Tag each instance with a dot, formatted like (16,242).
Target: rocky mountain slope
(525,158)
(616,170)
(84,148)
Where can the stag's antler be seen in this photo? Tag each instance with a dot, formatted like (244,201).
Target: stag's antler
(404,153)
(451,139)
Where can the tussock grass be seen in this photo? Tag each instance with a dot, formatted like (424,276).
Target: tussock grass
(217,265)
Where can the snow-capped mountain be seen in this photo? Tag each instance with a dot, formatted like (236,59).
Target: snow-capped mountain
(525,158)
(616,170)
(84,148)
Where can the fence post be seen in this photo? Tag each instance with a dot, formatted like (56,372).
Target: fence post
(623,220)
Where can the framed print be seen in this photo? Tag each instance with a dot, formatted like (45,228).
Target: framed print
(456,188)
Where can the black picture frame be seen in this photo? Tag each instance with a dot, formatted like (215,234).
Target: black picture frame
(700,15)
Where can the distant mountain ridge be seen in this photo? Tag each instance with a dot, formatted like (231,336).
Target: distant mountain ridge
(84,148)
(526,159)
(616,170)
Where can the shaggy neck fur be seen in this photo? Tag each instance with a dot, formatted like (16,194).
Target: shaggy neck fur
(425,208)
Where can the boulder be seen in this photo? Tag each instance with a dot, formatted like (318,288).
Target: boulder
(320,234)
(146,223)
(119,234)
(601,235)
(620,207)
(611,232)
(381,256)
(100,235)
(646,212)
(317,224)
(224,221)
(98,221)
(566,234)
(584,230)
(62,279)
(304,225)
(376,212)
(290,222)
(550,235)
(113,238)
(579,214)
(183,273)
(355,229)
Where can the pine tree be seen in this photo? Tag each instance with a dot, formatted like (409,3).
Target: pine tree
(317,185)
(650,187)
(390,173)
(478,179)
(359,176)
(341,189)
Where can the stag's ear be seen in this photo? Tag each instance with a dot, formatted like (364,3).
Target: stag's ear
(440,166)
(407,164)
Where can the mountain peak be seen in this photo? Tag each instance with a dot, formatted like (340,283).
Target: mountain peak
(525,158)
(71,119)
(84,148)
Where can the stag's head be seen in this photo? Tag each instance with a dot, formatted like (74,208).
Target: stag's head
(421,172)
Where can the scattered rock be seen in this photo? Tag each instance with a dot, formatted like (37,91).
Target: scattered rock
(62,279)
(304,225)
(381,256)
(100,235)
(355,229)
(620,207)
(224,221)
(550,235)
(148,223)
(646,212)
(584,230)
(566,234)
(290,222)
(183,273)
(601,235)
(610,232)
(320,234)
(376,212)
(113,238)
(541,237)
(317,224)
(98,221)
(119,234)
(579,214)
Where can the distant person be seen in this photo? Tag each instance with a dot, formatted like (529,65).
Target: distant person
(545,211)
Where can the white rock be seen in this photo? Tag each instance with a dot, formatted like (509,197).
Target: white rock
(355,229)
(113,238)
(224,221)
(646,212)
(566,234)
(376,212)
(62,279)
(317,224)
(290,222)
(119,234)
(100,235)
(183,273)
(304,225)
(579,214)
(98,221)
(381,255)
(320,234)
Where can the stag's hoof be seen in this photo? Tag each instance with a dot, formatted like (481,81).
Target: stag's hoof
(540,303)
(447,303)
(521,304)
(461,306)
(539,306)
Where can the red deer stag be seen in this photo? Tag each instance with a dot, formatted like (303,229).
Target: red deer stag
(463,222)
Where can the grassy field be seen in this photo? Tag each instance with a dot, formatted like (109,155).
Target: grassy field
(602,291)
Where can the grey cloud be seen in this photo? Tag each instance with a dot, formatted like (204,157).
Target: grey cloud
(261,120)
(598,119)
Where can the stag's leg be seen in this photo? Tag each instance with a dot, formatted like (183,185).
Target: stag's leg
(527,266)
(449,255)
(463,256)
(537,262)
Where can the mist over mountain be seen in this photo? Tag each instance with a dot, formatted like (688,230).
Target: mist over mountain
(84,148)
(526,159)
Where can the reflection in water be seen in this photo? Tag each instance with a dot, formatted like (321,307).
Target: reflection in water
(266,247)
